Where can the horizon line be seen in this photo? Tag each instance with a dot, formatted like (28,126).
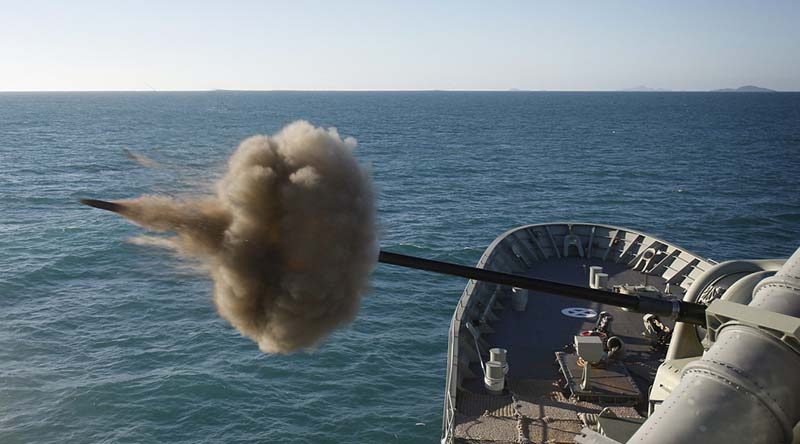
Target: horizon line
(509,90)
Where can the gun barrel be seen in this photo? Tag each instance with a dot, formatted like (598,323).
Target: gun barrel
(681,311)
(103,205)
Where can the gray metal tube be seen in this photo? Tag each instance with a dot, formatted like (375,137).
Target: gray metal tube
(684,342)
(741,291)
(781,293)
(745,388)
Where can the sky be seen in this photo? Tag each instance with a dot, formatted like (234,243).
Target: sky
(400,45)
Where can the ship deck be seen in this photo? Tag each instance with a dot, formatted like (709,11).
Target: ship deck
(536,407)
(543,400)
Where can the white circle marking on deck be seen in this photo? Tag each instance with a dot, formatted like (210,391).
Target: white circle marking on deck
(579,312)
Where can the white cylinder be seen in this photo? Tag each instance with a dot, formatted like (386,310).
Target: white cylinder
(592,272)
(519,299)
(600,280)
(494,379)
(499,355)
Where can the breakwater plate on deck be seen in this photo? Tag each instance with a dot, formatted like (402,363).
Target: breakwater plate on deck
(579,312)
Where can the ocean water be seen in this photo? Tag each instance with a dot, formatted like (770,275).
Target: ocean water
(104,341)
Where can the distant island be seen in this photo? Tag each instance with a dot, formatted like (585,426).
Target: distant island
(746,88)
(643,88)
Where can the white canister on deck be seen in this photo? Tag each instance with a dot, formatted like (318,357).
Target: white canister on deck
(499,355)
(592,273)
(494,380)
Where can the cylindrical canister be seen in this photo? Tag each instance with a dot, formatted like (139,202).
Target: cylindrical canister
(499,355)
(592,272)
(494,379)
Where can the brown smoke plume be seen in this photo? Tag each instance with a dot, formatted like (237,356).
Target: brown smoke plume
(289,238)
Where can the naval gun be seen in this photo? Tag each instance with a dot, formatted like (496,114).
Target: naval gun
(681,311)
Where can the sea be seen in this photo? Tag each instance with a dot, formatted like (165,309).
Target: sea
(106,341)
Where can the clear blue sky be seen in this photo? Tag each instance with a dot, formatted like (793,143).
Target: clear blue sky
(370,45)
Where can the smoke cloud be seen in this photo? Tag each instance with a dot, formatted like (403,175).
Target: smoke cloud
(288,238)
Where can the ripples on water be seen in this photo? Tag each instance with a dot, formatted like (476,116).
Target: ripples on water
(105,341)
